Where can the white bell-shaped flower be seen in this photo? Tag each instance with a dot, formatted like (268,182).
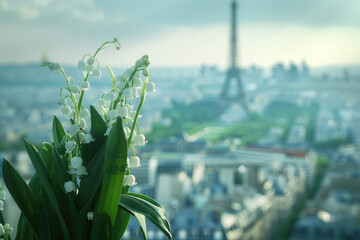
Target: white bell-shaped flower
(135,92)
(89,68)
(73,129)
(139,140)
(82,123)
(127,132)
(80,171)
(129,180)
(120,84)
(70,146)
(123,112)
(8,229)
(100,102)
(134,162)
(61,100)
(66,110)
(88,138)
(81,64)
(69,186)
(76,162)
(150,87)
(120,78)
(110,96)
(2,195)
(113,114)
(132,114)
(75,89)
(139,63)
(85,86)
(1,205)
(137,82)
(96,73)
(90,216)
(127,93)
(84,113)
(2,230)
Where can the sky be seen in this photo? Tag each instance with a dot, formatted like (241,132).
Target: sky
(181,33)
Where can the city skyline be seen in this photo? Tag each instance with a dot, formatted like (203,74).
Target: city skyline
(322,33)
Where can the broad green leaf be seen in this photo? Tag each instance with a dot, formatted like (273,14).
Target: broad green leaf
(101,227)
(121,222)
(91,182)
(98,129)
(21,193)
(154,213)
(46,154)
(113,172)
(44,228)
(57,132)
(142,221)
(47,184)
(24,229)
(60,169)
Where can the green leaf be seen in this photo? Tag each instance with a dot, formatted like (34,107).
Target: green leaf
(47,184)
(142,221)
(44,228)
(154,213)
(113,172)
(121,222)
(46,154)
(101,227)
(21,193)
(57,132)
(60,169)
(24,229)
(98,129)
(91,182)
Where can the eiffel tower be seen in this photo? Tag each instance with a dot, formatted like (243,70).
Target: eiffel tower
(233,73)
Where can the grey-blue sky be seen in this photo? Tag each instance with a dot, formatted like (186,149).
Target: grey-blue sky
(72,26)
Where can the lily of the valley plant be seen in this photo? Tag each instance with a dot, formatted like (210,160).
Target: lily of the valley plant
(80,189)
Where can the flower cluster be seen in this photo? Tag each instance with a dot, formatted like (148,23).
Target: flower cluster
(127,88)
(6,229)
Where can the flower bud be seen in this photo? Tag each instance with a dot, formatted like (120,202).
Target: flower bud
(81,64)
(76,162)
(90,61)
(134,162)
(84,113)
(139,63)
(85,86)
(69,186)
(96,73)
(150,87)
(145,72)
(61,100)
(70,146)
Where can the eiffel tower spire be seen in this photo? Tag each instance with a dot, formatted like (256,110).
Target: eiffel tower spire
(233,73)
